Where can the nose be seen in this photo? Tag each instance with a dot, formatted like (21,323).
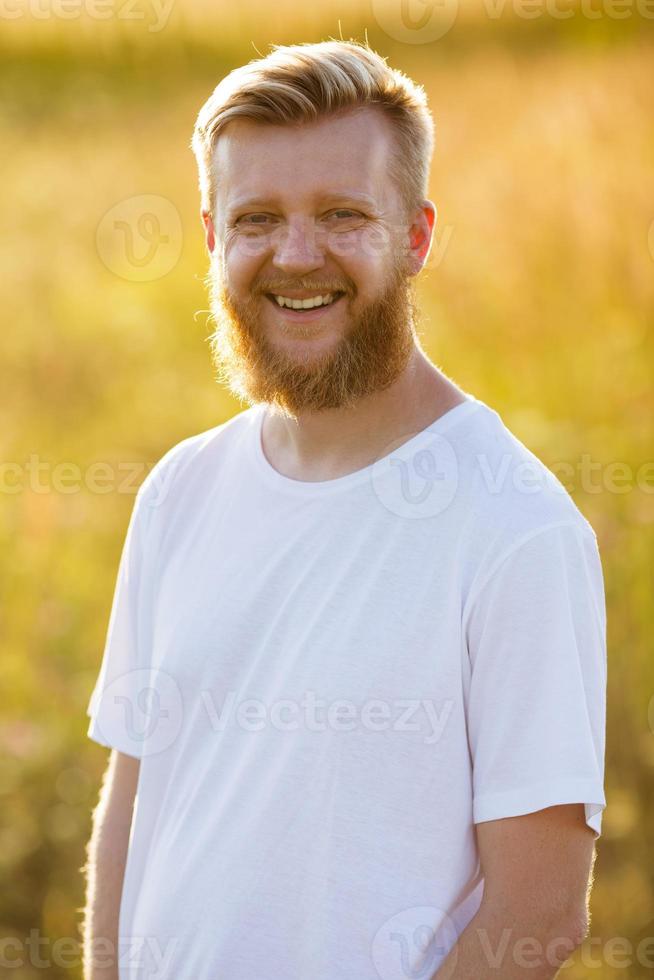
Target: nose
(297,250)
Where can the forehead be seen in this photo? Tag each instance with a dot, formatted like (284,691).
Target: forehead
(303,162)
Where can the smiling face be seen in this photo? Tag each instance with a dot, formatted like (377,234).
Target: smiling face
(308,214)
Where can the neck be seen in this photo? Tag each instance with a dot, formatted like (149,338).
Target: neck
(331,443)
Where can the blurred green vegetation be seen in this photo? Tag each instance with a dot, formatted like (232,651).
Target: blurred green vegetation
(541,304)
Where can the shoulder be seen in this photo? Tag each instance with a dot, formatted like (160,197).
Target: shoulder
(193,461)
(508,493)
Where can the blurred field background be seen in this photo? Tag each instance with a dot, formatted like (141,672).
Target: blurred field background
(539,298)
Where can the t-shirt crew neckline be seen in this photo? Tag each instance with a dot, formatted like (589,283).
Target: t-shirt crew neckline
(308,488)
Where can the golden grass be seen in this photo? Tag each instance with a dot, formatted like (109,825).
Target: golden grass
(541,304)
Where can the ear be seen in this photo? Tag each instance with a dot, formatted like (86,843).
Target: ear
(420,234)
(209,230)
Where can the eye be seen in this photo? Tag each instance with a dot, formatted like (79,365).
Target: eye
(340,212)
(252,219)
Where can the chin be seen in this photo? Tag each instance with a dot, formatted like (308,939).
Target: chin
(302,338)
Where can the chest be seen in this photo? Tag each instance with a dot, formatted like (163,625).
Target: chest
(350,603)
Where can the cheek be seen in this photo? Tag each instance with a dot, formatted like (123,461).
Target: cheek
(364,251)
(242,258)
(379,245)
(252,248)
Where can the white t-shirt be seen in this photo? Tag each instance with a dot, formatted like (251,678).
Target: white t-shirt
(329,683)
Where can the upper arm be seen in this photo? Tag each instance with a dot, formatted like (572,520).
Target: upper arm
(539,863)
(536,681)
(120,783)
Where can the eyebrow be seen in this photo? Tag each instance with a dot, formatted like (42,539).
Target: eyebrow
(262,202)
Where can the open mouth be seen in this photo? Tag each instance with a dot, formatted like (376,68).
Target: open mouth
(320,304)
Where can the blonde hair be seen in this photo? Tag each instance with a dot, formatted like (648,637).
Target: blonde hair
(301,83)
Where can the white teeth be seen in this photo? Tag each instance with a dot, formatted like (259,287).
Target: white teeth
(305,304)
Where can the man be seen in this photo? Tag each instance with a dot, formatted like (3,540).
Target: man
(355,670)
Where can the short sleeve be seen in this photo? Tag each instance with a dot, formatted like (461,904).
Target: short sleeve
(536,639)
(121,686)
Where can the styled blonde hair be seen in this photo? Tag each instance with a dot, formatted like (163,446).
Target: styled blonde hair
(301,83)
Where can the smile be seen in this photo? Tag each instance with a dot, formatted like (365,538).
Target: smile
(302,307)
